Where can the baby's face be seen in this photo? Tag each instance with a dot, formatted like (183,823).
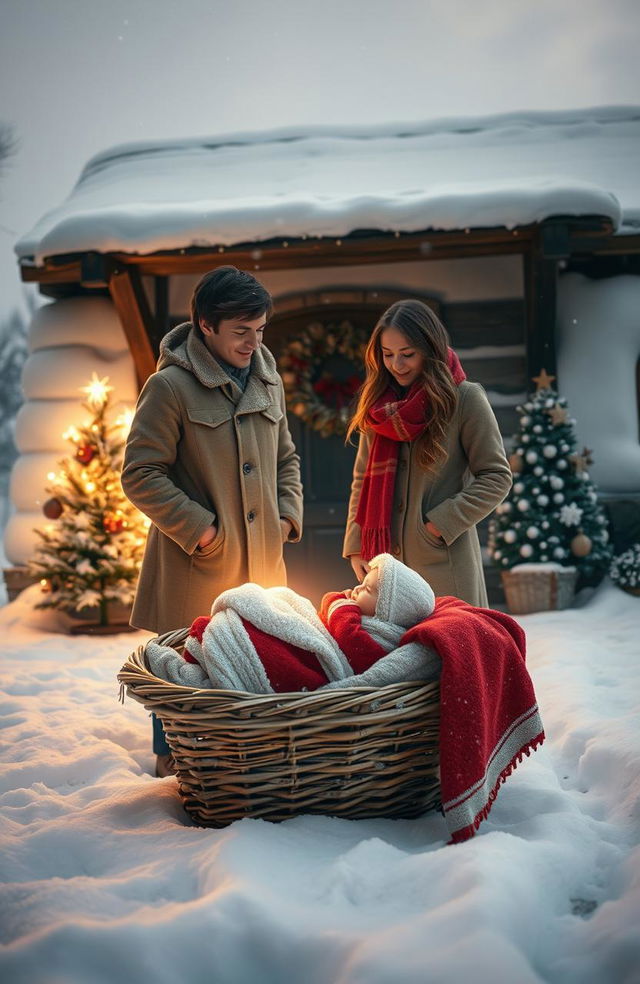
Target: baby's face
(365,595)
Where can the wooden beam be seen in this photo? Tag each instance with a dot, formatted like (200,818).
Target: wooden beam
(363,248)
(617,245)
(540,285)
(129,298)
(359,250)
(95,270)
(356,249)
(62,273)
(161,291)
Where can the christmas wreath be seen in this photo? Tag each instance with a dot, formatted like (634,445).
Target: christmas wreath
(322,369)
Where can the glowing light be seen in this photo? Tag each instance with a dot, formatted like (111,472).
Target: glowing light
(97,391)
(125,420)
(90,487)
(51,476)
(71,434)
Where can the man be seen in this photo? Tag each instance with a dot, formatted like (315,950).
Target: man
(210,459)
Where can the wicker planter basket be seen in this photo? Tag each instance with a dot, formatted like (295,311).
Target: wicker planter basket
(630,590)
(538,591)
(349,753)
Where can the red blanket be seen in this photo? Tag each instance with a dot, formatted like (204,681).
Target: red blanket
(488,712)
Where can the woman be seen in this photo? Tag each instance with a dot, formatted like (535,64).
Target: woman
(431,462)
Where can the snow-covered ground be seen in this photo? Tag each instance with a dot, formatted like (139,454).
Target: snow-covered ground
(105,880)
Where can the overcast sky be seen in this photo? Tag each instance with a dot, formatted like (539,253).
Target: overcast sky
(78,76)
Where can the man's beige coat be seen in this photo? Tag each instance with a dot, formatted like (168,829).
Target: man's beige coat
(472,481)
(200,451)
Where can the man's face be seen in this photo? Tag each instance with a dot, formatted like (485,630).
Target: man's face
(236,339)
(365,594)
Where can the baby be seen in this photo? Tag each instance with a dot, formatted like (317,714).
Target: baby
(369,620)
(293,643)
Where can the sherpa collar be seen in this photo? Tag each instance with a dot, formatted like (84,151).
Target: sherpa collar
(182,347)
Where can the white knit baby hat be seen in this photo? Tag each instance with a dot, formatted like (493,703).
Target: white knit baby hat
(404,597)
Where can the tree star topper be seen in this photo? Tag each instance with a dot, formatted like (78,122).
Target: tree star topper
(544,380)
(97,390)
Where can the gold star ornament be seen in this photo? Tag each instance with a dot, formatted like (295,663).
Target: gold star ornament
(558,415)
(579,462)
(543,381)
(587,454)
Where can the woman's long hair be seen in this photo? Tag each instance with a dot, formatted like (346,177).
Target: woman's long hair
(425,332)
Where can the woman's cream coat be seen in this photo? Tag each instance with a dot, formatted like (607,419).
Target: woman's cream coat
(472,481)
(200,452)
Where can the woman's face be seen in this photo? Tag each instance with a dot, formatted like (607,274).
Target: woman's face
(400,357)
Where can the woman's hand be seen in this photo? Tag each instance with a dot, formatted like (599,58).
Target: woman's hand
(360,566)
(286,526)
(433,529)
(208,536)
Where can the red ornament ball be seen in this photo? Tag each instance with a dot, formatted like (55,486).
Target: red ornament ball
(85,454)
(112,524)
(53,508)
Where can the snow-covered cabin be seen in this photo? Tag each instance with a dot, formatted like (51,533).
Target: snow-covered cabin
(523,229)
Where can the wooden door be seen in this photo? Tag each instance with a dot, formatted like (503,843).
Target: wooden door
(316,565)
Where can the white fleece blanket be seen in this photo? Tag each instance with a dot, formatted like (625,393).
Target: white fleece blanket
(228,659)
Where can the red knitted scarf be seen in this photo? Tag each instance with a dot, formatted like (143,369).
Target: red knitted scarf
(392,421)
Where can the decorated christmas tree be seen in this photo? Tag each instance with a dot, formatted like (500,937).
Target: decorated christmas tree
(552,514)
(90,556)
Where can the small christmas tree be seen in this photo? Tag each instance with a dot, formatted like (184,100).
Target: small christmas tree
(552,514)
(92,555)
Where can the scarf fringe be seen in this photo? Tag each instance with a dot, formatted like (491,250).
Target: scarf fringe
(374,541)
(469,831)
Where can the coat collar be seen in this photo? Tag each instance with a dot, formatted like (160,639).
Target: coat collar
(183,347)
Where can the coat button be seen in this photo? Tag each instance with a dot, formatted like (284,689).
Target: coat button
(251,516)
(247,467)
(396,550)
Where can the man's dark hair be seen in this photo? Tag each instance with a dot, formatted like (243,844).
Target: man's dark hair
(227,292)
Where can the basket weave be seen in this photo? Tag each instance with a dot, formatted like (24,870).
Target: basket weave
(538,591)
(353,753)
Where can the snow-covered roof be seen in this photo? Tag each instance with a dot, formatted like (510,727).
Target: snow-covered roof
(507,170)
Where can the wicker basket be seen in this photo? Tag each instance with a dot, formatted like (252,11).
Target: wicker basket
(362,752)
(539,591)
